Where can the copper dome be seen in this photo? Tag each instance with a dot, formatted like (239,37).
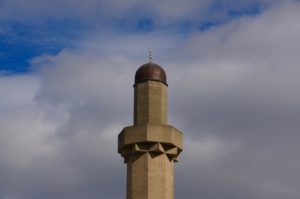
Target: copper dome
(150,71)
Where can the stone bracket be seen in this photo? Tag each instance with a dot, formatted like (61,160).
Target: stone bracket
(150,138)
(152,148)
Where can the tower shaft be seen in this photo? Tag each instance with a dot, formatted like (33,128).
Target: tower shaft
(150,103)
(150,176)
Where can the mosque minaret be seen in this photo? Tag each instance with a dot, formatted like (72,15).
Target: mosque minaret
(150,146)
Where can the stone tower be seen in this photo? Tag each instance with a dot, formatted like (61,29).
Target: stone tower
(151,146)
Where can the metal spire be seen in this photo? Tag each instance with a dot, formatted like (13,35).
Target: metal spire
(150,54)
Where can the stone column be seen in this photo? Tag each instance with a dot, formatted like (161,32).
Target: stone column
(151,146)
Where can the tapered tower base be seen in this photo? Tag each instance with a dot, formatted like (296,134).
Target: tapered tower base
(150,176)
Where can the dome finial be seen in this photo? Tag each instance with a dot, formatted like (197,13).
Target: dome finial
(150,54)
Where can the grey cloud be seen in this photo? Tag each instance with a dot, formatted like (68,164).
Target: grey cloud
(240,116)
(245,91)
(161,11)
(92,9)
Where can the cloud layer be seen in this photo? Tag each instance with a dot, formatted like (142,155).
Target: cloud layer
(233,91)
(166,11)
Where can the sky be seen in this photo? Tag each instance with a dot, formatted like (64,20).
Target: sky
(66,74)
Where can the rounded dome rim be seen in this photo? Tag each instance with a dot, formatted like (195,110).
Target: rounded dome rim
(150,71)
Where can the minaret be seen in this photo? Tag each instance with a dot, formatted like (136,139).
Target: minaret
(151,146)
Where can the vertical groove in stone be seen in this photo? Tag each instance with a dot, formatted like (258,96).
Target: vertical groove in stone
(150,176)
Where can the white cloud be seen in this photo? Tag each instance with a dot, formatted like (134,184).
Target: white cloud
(233,91)
(17,91)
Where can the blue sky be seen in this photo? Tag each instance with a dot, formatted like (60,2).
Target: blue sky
(66,73)
(22,40)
